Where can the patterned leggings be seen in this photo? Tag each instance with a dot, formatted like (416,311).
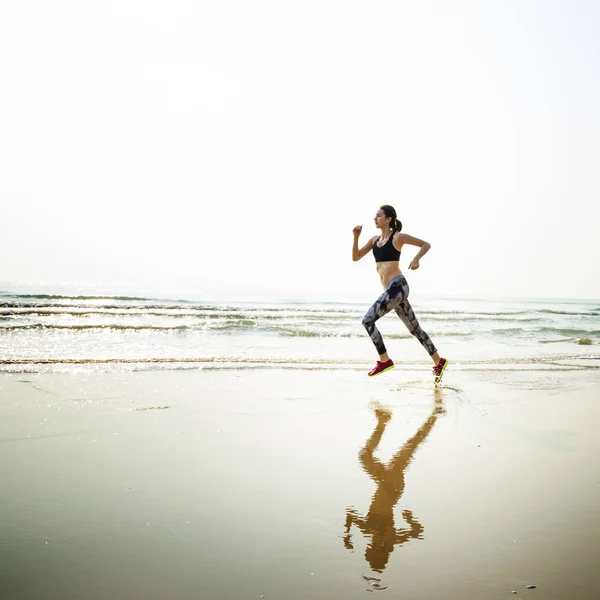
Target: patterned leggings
(395,297)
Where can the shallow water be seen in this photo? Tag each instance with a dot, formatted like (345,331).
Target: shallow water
(39,330)
(299,484)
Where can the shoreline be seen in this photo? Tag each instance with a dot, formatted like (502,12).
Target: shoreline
(282,361)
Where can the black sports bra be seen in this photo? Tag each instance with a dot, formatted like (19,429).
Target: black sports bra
(387,252)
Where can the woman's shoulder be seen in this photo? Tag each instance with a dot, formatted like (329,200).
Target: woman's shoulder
(398,240)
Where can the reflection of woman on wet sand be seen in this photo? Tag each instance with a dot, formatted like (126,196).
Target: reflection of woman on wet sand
(379,522)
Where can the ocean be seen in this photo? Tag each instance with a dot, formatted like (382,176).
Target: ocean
(64,332)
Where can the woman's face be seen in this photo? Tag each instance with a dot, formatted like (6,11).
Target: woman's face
(381,219)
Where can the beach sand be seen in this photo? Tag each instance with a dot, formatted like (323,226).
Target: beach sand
(232,483)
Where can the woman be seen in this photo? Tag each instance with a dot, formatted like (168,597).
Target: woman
(386,249)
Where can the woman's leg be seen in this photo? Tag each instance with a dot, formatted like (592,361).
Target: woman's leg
(383,305)
(407,314)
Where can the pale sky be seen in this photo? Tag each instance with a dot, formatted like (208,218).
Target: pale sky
(220,144)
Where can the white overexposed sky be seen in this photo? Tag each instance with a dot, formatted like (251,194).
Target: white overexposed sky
(234,144)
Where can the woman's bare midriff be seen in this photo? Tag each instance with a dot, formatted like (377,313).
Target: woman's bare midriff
(388,270)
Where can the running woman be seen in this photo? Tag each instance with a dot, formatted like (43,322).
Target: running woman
(386,249)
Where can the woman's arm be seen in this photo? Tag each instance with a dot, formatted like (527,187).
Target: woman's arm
(356,253)
(403,238)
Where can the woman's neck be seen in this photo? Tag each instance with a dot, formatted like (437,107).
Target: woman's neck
(385,233)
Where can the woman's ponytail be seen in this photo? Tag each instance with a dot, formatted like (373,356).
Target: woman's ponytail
(390,212)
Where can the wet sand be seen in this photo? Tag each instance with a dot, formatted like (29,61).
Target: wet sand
(295,483)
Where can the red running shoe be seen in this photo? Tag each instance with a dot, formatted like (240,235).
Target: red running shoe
(438,370)
(381,367)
